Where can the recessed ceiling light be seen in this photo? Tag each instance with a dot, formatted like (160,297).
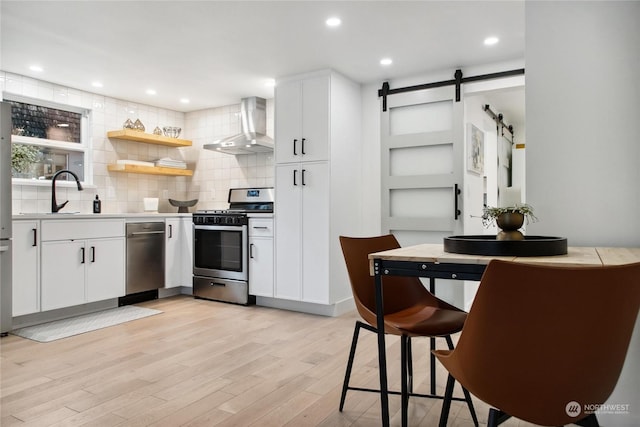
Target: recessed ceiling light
(151,92)
(334,21)
(96,84)
(386,61)
(36,68)
(490,41)
(184,100)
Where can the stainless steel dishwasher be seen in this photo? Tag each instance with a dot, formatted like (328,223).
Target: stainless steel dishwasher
(145,256)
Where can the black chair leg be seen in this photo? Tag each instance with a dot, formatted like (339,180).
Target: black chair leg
(589,421)
(467,397)
(352,353)
(496,418)
(410,364)
(446,402)
(404,345)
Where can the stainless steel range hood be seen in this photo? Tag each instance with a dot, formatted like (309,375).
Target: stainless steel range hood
(253,137)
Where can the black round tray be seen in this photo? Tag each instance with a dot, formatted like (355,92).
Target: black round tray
(488,245)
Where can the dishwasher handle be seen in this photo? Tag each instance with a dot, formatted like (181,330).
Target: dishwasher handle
(144,233)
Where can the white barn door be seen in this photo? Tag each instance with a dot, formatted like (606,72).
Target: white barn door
(422,157)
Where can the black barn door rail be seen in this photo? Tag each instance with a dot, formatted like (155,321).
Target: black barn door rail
(458,80)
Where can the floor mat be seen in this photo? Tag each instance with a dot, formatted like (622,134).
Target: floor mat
(58,329)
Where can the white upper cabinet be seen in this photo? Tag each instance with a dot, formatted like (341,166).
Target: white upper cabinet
(302,120)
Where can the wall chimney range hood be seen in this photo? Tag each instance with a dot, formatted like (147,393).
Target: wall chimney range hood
(253,135)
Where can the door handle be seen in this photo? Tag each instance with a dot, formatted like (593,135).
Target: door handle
(303,171)
(82,258)
(294,147)
(35,237)
(303,139)
(295,174)
(251,250)
(170,231)
(456,210)
(93,254)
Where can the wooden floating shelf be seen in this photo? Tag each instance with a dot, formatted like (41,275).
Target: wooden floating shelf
(155,170)
(134,135)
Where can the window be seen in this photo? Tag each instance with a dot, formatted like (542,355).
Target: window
(47,138)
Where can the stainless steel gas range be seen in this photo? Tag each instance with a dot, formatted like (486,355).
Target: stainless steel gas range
(221,248)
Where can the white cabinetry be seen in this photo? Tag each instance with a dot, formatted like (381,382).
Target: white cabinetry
(318,185)
(179,252)
(26,259)
(82,261)
(302,119)
(261,257)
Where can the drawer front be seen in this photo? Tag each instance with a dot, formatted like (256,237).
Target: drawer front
(221,290)
(74,229)
(261,227)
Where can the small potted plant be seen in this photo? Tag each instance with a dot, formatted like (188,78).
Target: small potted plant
(22,157)
(508,219)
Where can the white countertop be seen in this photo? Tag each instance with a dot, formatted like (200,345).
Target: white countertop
(126,216)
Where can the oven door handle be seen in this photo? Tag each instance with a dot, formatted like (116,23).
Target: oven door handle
(220,227)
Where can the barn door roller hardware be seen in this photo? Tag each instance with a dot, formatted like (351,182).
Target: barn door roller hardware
(499,119)
(458,80)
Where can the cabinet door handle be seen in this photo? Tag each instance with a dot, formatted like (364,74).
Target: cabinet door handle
(302,142)
(303,171)
(255,227)
(93,254)
(170,231)
(295,174)
(456,209)
(294,147)
(35,237)
(82,258)
(251,250)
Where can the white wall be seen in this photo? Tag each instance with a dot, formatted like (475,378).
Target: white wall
(583,137)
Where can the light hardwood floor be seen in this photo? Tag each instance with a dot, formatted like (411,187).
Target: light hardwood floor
(203,363)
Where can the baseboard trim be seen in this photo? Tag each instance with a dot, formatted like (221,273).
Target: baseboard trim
(330,310)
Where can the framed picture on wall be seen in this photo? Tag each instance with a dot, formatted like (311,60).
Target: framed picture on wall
(475,150)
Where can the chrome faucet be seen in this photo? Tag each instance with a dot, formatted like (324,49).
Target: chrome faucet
(54,206)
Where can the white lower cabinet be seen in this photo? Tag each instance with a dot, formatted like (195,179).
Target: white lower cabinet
(81,261)
(26,258)
(261,257)
(178,252)
(302,246)
(76,272)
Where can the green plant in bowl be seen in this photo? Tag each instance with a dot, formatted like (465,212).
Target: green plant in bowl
(491,215)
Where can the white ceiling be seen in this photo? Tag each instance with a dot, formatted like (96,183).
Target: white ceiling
(216,52)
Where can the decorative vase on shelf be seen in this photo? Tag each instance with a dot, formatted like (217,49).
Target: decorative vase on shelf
(137,125)
(128,124)
(509,224)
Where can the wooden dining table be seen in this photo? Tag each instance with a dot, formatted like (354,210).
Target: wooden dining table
(432,262)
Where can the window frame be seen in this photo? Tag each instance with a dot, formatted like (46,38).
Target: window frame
(84,146)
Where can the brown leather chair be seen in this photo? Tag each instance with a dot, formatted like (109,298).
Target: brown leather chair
(541,342)
(410,311)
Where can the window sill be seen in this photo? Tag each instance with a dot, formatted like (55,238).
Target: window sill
(47,183)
